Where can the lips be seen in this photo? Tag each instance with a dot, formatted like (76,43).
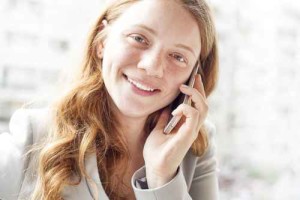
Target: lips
(141,84)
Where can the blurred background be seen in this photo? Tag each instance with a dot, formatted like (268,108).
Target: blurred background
(255,106)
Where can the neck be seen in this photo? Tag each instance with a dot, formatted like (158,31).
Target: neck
(133,130)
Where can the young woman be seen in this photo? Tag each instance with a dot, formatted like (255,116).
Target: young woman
(104,138)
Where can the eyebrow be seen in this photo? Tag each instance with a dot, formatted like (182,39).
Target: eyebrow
(177,45)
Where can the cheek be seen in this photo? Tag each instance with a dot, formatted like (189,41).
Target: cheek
(177,77)
(122,52)
(127,56)
(118,56)
(174,84)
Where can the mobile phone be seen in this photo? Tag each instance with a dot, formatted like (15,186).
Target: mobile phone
(182,98)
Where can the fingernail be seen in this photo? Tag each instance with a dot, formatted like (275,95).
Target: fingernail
(174,112)
(184,86)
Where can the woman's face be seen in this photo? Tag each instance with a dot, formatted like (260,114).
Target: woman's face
(150,50)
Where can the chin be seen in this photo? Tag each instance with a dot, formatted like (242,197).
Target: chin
(133,111)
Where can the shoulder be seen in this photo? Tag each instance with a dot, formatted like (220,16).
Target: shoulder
(206,168)
(210,128)
(211,135)
(26,127)
(206,163)
(30,123)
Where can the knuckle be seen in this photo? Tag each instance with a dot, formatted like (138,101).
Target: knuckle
(182,106)
(194,90)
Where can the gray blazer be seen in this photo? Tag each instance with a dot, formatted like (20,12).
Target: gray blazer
(196,177)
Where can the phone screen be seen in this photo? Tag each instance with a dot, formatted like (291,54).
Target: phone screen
(181,98)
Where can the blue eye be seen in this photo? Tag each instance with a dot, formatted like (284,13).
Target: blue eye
(178,57)
(139,39)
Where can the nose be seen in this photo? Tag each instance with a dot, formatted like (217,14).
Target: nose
(152,62)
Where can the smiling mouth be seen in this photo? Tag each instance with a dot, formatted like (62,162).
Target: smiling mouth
(140,86)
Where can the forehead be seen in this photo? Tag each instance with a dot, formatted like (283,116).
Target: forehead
(169,19)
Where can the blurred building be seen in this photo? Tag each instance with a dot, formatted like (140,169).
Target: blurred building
(37,40)
(256,103)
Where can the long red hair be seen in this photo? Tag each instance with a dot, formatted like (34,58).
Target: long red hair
(83,115)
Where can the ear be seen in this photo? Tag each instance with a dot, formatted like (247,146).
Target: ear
(100,48)
(104,23)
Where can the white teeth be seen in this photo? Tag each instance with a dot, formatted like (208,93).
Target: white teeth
(140,86)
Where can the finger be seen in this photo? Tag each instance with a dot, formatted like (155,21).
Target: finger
(191,116)
(199,85)
(185,110)
(196,97)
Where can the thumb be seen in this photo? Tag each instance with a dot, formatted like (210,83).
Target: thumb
(163,118)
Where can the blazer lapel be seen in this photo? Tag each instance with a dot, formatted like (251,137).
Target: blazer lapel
(88,189)
(94,184)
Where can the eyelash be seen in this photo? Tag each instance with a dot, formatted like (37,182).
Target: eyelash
(181,57)
(135,37)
